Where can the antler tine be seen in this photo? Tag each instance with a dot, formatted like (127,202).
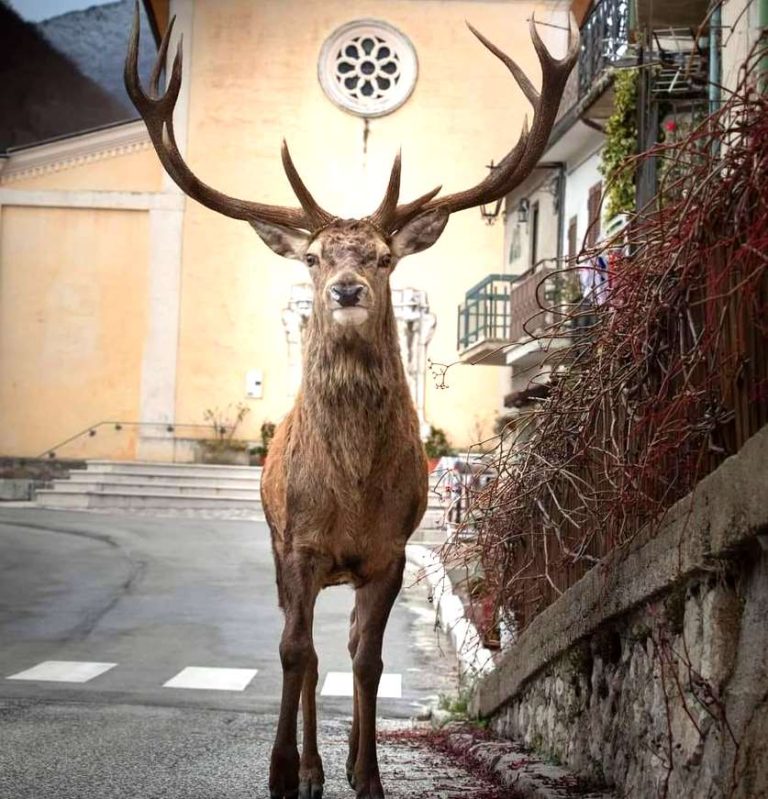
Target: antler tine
(381,216)
(518,162)
(314,212)
(157,112)
(154,80)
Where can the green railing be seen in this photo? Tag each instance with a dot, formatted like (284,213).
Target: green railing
(485,313)
(506,308)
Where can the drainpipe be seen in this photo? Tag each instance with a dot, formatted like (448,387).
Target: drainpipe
(715,26)
(560,212)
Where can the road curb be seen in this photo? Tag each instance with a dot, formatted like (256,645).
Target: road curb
(474,659)
(526,775)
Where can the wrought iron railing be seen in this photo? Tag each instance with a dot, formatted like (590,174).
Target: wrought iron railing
(604,41)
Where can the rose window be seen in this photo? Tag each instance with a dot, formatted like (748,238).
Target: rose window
(368,68)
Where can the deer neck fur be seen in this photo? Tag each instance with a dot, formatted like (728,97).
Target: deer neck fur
(354,394)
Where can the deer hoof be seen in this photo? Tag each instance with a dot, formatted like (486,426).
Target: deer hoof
(351,777)
(372,793)
(279,794)
(311,790)
(368,788)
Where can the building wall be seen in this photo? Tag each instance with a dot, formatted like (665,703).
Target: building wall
(157,307)
(254,82)
(72,321)
(740,23)
(519,236)
(582,174)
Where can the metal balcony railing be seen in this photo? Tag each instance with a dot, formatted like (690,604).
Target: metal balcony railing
(604,41)
(506,308)
(484,314)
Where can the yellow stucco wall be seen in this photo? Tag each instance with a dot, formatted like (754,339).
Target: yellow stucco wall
(72,318)
(253,82)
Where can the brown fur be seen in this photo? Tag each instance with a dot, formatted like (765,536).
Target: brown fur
(344,487)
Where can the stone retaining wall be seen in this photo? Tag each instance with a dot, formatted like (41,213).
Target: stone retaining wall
(651,673)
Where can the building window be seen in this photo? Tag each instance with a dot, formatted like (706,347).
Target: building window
(534,233)
(368,67)
(593,214)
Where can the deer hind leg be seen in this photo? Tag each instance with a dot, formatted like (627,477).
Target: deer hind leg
(373,603)
(298,593)
(311,777)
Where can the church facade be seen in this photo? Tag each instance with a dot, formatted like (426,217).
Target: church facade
(127,310)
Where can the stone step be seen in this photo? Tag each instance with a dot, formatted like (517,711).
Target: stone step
(156,489)
(174,469)
(113,499)
(164,480)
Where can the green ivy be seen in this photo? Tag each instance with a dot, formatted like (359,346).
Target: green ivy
(620,144)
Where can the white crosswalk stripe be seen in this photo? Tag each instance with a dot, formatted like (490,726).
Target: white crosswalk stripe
(63,671)
(339,683)
(201,678)
(208,678)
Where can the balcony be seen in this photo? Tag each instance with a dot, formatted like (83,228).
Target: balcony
(505,310)
(484,320)
(604,42)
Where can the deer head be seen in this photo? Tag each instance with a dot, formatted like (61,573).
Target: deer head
(350,260)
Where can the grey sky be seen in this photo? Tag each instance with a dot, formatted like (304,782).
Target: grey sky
(37,10)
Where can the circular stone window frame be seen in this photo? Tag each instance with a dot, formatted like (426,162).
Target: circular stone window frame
(408,61)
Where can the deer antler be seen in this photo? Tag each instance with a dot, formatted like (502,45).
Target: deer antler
(516,164)
(157,112)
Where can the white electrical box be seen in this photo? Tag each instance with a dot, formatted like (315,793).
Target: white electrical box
(254,383)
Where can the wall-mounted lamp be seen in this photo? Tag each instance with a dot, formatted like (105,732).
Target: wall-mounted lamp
(553,187)
(522,210)
(490,213)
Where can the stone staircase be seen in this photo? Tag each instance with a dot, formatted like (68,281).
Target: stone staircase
(136,485)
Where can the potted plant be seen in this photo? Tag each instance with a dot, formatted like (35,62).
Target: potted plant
(223,447)
(258,454)
(436,446)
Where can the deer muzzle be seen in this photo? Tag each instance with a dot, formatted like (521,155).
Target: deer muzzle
(347,295)
(349,302)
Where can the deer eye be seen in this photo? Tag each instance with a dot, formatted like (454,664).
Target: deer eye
(310,259)
(385,260)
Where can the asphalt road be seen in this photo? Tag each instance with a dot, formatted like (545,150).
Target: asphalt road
(155,597)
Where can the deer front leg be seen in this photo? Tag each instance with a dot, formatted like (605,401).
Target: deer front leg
(354,733)
(298,594)
(311,777)
(373,603)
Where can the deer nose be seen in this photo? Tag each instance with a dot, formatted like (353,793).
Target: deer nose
(347,294)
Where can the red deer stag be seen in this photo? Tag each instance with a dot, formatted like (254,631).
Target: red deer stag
(346,480)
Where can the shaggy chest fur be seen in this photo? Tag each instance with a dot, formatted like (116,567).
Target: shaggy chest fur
(349,478)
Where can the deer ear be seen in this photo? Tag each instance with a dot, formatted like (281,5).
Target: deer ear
(283,240)
(419,233)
